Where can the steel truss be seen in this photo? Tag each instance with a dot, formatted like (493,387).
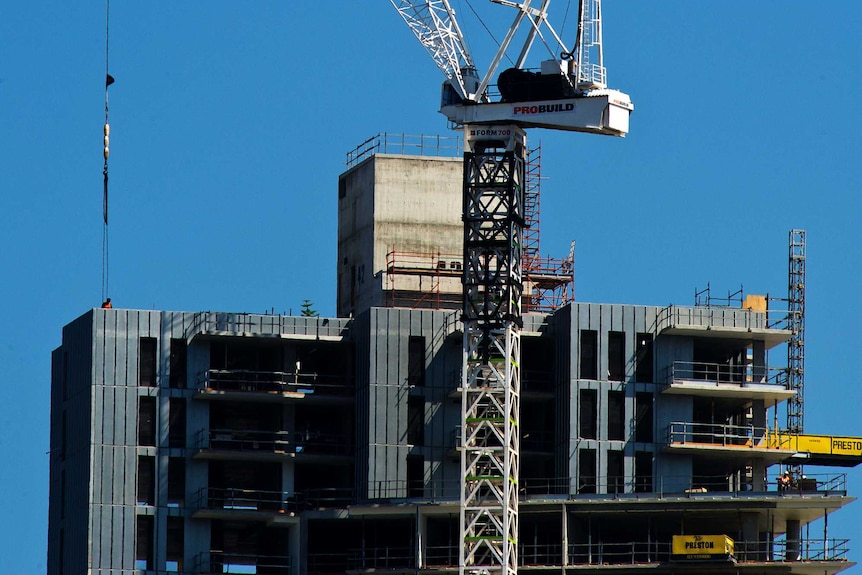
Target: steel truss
(796,345)
(490,386)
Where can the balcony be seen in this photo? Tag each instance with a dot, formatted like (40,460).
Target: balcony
(722,440)
(721,322)
(251,385)
(247,445)
(247,504)
(220,562)
(723,380)
(216,324)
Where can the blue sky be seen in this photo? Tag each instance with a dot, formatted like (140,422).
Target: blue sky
(231,121)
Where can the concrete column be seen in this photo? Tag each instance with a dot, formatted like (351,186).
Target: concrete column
(793,538)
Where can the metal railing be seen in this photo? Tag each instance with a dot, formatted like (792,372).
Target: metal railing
(275,381)
(721,317)
(387,557)
(405,144)
(721,435)
(224,562)
(681,371)
(263,324)
(650,552)
(307,442)
(217,498)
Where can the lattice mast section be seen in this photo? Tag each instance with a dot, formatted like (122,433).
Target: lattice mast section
(591,72)
(490,386)
(796,345)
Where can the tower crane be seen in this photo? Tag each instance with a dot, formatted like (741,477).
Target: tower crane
(568,92)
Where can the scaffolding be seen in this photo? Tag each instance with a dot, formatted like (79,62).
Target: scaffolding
(548,282)
(414,279)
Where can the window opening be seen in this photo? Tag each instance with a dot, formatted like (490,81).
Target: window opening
(416,420)
(177,422)
(587,471)
(643,417)
(147,362)
(589,368)
(416,361)
(175,544)
(179,356)
(616,355)
(644,358)
(415,475)
(146,488)
(144,542)
(176,481)
(643,472)
(587,414)
(616,415)
(615,476)
(147,421)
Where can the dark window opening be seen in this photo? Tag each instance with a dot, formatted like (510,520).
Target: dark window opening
(179,357)
(353,286)
(587,471)
(176,482)
(65,380)
(415,476)
(589,356)
(342,189)
(416,361)
(643,472)
(416,420)
(63,433)
(587,414)
(644,358)
(146,488)
(175,544)
(615,476)
(147,362)
(177,422)
(616,415)
(616,355)
(144,542)
(147,421)
(643,417)
(62,493)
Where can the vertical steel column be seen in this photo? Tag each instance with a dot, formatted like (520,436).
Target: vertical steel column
(796,345)
(491,383)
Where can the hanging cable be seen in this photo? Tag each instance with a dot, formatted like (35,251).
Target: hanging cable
(107,150)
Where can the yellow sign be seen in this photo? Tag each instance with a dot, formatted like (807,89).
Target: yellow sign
(702,547)
(828,444)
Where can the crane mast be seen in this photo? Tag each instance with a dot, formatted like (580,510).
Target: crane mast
(569,92)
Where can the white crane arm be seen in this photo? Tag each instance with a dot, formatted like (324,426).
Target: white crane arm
(434,25)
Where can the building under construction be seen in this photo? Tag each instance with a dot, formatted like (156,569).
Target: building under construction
(652,439)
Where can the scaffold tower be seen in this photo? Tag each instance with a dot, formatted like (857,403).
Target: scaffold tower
(490,386)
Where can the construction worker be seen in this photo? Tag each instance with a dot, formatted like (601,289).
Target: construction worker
(107,304)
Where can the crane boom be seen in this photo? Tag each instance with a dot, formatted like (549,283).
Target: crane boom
(434,25)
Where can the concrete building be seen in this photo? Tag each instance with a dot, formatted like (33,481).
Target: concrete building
(236,443)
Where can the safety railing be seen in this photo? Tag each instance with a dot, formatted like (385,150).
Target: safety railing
(309,442)
(405,144)
(651,552)
(225,562)
(803,549)
(217,323)
(216,498)
(721,435)
(275,381)
(387,557)
(712,317)
(698,371)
